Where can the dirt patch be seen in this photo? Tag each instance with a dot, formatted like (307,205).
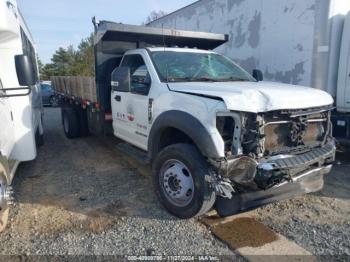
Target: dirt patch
(101,219)
(84,197)
(115,209)
(243,232)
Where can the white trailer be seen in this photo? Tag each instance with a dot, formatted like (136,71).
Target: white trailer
(21,128)
(291,41)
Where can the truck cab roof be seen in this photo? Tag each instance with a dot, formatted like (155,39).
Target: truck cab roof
(178,49)
(131,36)
(171,49)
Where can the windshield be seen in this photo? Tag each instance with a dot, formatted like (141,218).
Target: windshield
(197,67)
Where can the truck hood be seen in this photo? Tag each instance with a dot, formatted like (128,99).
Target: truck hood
(257,97)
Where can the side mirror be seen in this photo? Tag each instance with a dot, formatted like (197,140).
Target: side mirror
(25,70)
(258,75)
(147,81)
(120,80)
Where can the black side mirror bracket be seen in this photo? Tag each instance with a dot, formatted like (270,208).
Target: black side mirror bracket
(258,75)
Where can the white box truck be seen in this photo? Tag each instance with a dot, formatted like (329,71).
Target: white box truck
(21,127)
(298,42)
(215,135)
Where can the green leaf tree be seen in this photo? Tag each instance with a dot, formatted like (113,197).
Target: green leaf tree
(71,62)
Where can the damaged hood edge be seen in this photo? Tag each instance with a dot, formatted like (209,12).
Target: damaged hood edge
(256,97)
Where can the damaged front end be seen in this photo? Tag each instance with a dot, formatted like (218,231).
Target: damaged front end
(272,156)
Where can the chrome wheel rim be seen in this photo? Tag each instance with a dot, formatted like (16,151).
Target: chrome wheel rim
(5,195)
(177,183)
(54,101)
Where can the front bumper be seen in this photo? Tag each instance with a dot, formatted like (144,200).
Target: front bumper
(306,175)
(307,182)
(317,156)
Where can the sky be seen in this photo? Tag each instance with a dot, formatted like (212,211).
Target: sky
(60,23)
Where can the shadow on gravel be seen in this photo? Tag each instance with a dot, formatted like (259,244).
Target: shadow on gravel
(337,183)
(83,183)
(86,184)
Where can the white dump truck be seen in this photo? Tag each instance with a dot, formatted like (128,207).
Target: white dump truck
(21,127)
(215,135)
(297,42)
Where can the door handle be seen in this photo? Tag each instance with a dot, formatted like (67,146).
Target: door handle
(118,98)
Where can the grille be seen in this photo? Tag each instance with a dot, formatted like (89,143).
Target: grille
(307,131)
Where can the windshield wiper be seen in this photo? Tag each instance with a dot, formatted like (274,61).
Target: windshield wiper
(203,79)
(178,79)
(234,79)
(190,79)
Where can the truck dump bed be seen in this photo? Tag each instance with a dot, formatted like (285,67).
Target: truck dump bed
(111,41)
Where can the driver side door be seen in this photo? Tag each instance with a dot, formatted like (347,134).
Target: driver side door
(130,109)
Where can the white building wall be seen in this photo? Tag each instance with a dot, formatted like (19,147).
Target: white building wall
(272,35)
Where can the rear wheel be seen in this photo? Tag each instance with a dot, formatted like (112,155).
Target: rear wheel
(70,121)
(181,181)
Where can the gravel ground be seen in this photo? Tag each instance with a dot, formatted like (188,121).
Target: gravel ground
(83,197)
(319,222)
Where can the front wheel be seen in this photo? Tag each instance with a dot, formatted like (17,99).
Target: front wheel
(181,177)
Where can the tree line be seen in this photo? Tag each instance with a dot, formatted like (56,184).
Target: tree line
(72,61)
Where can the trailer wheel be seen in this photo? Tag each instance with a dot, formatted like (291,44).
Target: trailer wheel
(181,181)
(70,121)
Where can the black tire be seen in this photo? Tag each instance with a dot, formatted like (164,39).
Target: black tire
(70,121)
(204,195)
(39,139)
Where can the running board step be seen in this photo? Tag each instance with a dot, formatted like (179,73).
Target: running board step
(137,154)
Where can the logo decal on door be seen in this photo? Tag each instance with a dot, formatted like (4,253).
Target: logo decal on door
(130,113)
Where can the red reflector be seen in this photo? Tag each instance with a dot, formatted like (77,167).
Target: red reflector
(108,117)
